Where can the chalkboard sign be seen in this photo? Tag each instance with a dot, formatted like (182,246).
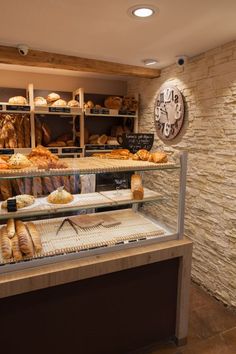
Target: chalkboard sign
(11,205)
(6,151)
(17,108)
(53,151)
(59,109)
(127,113)
(72,150)
(135,142)
(99,111)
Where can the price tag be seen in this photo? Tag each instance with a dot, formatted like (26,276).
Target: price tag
(17,108)
(6,151)
(11,205)
(72,150)
(59,109)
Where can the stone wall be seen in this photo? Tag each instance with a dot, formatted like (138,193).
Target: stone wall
(208,83)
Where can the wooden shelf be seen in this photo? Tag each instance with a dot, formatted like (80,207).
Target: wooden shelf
(81,201)
(63,111)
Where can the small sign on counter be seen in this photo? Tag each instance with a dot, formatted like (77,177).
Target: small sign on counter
(135,142)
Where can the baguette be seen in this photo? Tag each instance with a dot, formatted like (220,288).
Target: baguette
(6,247)
(11,228)
(6,189)
(35,237)
(37,189)
(16,248)
(25,241)
(27,131)
(136,187)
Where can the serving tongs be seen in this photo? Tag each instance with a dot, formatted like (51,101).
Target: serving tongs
(71,224)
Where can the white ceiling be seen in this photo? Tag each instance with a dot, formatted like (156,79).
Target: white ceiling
(101,29)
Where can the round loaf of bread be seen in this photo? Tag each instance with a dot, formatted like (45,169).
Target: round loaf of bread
(59,103)
(17,100)
(73,103)
(53,97)
(40,101)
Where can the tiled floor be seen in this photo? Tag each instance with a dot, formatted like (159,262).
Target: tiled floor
(212,328)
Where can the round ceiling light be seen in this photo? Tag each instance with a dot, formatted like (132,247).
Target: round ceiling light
(150,62)
(142,11)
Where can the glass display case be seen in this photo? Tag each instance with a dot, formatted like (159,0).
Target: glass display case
(53,214)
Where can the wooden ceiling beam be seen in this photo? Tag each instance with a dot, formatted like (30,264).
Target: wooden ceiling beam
(37,58)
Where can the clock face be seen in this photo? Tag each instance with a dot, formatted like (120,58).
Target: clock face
(169,112)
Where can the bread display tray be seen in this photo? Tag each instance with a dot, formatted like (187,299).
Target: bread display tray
(81,201)
(88,165)
(133,226)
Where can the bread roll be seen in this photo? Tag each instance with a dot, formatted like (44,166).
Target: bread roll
(136,187)
(53,97)
(11,228)
(6,247)
(17,100)
(25,241)
(36,239)
(16,248)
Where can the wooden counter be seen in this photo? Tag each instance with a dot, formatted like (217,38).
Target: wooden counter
(94,267)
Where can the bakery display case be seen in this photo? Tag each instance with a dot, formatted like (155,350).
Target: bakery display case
(50,211)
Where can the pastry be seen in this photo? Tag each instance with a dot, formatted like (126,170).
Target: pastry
(136,187)
(17,255)
(5,244)
(122,152)
(57,143)
(11,228)
(3,164)
(60,196)
(102,139)
(40,101)
(22,201)
(73,103)
(18,161)
(25,241)
(53,97)
(17,100)
(113,102)
(35,237)
(59,103)
(159,157)
(143,154)
(5,188)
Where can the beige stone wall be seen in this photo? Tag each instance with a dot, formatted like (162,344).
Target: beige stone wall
(208,84)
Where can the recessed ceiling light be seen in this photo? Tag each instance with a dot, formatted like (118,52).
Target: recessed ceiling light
(150,61)
(142,11)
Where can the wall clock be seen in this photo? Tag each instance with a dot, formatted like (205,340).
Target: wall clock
(169,112)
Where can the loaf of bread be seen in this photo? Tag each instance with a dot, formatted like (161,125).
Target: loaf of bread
(16,248)
(74,184)
(38,132)
(73,103)
(113,102)
(37,188)
(102,139)
(22,201)
(60,196)
(20,185)
(11,228)
(17,100)
(6,247)
(27,131)
(48,184)
(36,239)
(40,101)
(136,187)
(56,180)
(15,187)
(66,183)
(25,241)
(57,144)
(19,127)
(52,97)
(18,161)
(59,103)
(6,189)
(46,138)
